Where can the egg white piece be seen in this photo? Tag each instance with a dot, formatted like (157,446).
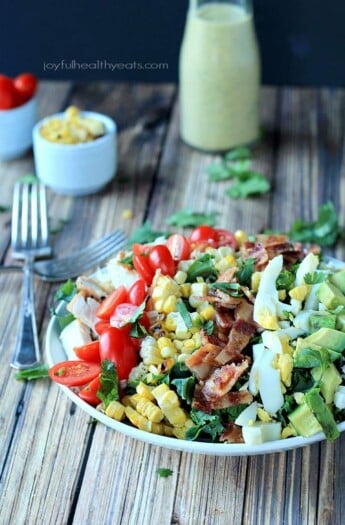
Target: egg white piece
(308,265)
(74,334)
(266,301)
(247,415)
(265,379)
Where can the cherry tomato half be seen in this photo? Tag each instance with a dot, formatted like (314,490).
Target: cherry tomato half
(123,314)
(179,247)
(107,307)
(160,258)
(7,93)
(142,266)
(89,392)
(117,347)
(137,292)
(25,85)
(74,373)
(204,234)
(226,238)
(101,326)
(88,352)
(215,237)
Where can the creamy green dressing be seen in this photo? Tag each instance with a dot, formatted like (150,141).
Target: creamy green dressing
(219,78)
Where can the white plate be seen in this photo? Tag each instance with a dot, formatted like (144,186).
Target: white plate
(55,354)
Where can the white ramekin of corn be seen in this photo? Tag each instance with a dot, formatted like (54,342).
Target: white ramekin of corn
(75,151)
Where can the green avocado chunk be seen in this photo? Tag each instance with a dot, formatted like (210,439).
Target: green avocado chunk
(328,338)
(329,379)
(330,296)
(322,320)
(338,279)
(322,414)
(304,421)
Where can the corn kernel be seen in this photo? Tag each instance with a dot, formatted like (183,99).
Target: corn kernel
(169,305)
(144,391)
(185,290)
(197,295)
(226,262)
(166,352)
(138,420)
(282,295)
(72,112)
(241,236)
(170,323)
(255,281)
(115,410)
(288,431)
(208,313)
(127,214)
(149,410)
(180,277)
(182,358)
(263,415)
(188,344)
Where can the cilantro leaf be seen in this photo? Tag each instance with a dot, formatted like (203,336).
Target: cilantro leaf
(164,472)
(232,289)
(246,271)
(184,387)
(285,280)
(66,291)
(36,372)
(183,311)
(202,267)
(218,172)
(207,426)
(109,384)
(240,153)
(251,186)
(324,231)
(145,234)
(187,218)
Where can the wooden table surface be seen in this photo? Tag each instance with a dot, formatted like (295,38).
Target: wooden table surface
(55,466)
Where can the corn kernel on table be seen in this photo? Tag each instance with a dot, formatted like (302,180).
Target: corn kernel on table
(56,467)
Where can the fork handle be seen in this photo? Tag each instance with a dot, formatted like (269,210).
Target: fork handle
(26,351)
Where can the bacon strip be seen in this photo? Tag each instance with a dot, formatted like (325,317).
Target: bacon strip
(240,335)
(222,380)
(230,399)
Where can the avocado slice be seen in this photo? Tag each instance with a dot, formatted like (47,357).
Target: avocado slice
(322,414)
(304,421)
(329,379)
(340,324)
(322,320)
(328,338)
(338,279)
(302,344)
(329,295)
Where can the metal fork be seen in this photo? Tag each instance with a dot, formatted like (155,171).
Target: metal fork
(30,240)
(73,265)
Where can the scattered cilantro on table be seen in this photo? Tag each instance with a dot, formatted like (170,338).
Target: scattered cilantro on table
(325,231)
(28,374)
(187,218)
(164,472)
(236,165)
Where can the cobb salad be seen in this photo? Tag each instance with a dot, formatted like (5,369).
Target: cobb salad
(218,337)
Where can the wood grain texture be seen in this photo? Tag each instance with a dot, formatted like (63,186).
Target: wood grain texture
(58,468)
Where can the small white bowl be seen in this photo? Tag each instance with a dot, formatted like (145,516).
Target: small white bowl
(76,169)
(16,129)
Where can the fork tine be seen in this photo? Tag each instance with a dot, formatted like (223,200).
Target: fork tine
(43,214)
(84,260)
(15,216)
(34,212)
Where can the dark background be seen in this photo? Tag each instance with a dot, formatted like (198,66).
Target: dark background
(302,41)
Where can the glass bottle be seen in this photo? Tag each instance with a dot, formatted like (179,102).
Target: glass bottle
(219,75)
